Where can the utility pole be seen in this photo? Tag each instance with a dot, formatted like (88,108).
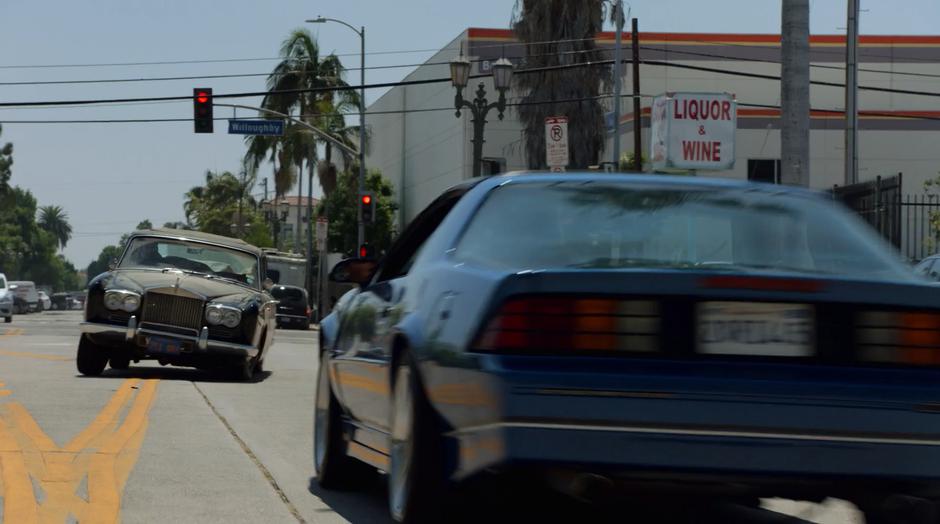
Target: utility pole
(637,116)
(264,182)
(308,277)
(618,79)
(300,199)
(794,92)
(851,93)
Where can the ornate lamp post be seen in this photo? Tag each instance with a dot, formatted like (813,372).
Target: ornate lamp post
(480,106)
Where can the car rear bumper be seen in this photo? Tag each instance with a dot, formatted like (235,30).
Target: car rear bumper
(137,335)
(727,420)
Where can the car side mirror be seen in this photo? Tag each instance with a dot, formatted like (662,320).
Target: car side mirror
(112,264)
(354,271)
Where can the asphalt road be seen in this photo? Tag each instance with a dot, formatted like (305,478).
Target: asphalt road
(164,444)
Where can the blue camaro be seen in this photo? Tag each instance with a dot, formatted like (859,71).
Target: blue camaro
(638,332)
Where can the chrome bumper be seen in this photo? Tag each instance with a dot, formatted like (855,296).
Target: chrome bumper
(202,343)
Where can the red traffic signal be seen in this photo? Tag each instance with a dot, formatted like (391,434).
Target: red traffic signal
(202,110)
(365,251)
(367,204)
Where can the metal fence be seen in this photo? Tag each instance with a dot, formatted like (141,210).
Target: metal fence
(903,220)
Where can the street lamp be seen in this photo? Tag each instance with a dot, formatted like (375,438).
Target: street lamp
(362,109)
(479,107)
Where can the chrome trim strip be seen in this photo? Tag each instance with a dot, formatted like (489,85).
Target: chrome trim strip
(776,435)
(291,316)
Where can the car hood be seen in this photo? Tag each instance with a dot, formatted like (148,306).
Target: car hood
(142,280)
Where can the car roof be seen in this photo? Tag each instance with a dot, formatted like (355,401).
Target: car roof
(198,236)
(636,178)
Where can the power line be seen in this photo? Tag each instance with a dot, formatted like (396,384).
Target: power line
(759,60)
(431,81)
(262,59)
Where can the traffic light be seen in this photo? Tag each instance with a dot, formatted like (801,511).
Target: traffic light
(202,109)
(365,251)
(367,202)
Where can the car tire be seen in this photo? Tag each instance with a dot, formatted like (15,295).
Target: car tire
(91,358)
(119,363)
(335,469)
(305,325)
(244,371)
(417,484)
(8,320)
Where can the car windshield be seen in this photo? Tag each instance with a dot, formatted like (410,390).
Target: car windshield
(205,259)
(621,225)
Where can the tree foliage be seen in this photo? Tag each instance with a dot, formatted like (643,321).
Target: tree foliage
(303,67)
(222,204)
(559,33)
(6,167)
(340,208)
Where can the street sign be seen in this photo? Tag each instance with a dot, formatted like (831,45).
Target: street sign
(322,228)
(556,141)
(256,127)
(693,131)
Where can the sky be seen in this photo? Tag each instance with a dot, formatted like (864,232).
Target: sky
(109,177)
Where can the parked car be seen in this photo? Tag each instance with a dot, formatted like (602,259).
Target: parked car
(62,302)
(45,303)
(651,333)
(182,298)
(6,300)
(293,307)
(29,298)
(929,268)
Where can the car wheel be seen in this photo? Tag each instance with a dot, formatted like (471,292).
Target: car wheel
(8,319)
(119,363)
(335,469)
(245,370)
(305,325)
(416,479)
(91,358)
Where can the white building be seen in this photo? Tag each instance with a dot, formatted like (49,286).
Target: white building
(422,148)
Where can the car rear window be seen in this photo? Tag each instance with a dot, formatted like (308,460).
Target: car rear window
(627,225)
(287,293)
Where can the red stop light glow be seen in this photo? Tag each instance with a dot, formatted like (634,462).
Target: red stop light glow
(367,199)
(202,97)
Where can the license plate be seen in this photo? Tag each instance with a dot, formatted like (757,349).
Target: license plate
(163,346)
(756,328)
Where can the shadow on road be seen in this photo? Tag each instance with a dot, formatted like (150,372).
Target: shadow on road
(361,505)
(180,374)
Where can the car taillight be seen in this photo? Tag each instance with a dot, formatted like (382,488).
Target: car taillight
(898,337)
(561,324)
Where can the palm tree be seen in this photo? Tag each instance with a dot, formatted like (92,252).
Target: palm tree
(561,32)
(301,67)
(56,221)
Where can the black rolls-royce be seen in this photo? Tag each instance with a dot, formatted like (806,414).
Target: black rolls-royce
(182,298)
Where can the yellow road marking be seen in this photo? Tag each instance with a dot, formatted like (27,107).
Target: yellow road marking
(104,453)
(39,356)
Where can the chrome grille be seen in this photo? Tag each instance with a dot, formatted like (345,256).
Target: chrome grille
(173,310)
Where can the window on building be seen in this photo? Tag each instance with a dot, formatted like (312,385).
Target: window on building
(763,170)
(494,166)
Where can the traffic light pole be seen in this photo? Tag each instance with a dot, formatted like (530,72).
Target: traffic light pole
(319,132)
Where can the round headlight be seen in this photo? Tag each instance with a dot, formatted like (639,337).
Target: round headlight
(131,303)
(231,318)
(214,316)
(113,300)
